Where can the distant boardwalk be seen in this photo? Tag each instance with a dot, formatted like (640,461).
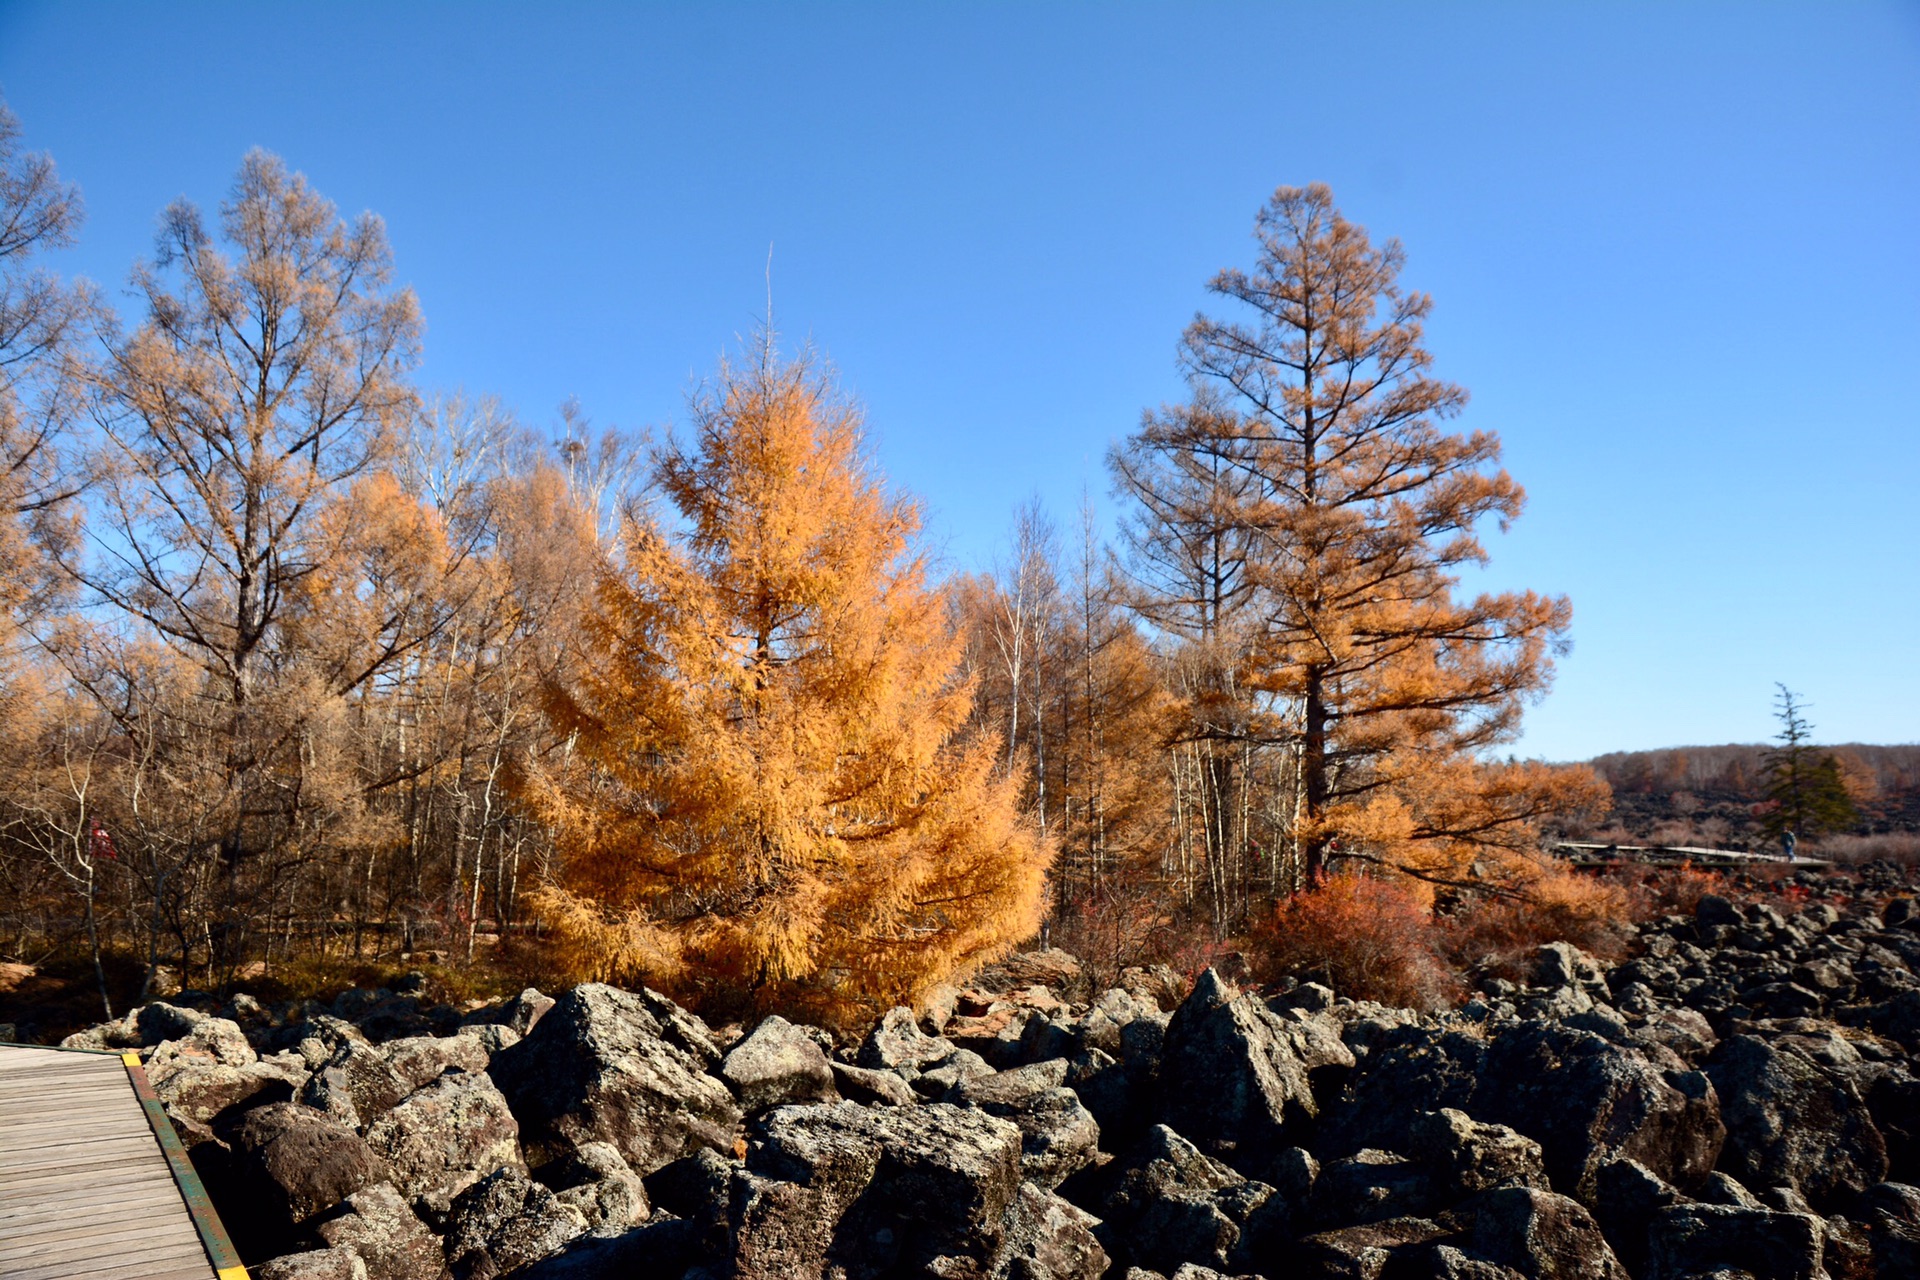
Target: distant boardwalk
(85,1186)
(1588,853)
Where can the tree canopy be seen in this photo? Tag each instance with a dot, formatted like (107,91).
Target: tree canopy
(781,803)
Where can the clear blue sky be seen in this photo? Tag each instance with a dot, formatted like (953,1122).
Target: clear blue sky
(1672,249)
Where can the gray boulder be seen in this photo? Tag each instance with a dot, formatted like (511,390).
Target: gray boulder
(604,1066)
(417,1060)
(445,1137)
(1372,1186)
(1364,1252)
(876,1087)
(355,1085)
(386,1235)
(876,1191)
(896,1041)
(314,1264)
(777,1064)
(1789,1123)
(1694,1238)
(1048,1238)
(294,1163)
(600,1185)
(1172,1204)
(1627,1198)
(1541,1235)
(506,1221)
(1232,1076)
(1466,1157)
(203,1093)
(1058,1136)
(1589,1102)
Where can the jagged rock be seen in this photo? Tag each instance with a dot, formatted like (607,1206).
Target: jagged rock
(1363,1252)
(1561,964)
(897,1042)
(1174,1204)
(1047,1238)
(505,1221)
(1466,1157)
(1541,1235)
(777,1064)
(1407,1071)
(1689,1239)
(1437,1261)
(399,1016)
(445,1137)
(600,1185)
(1231,1075)
(520,1013)
(950,1073)
(1685,1031)
(355,1086)
(1627,1198)
(1052,968)
(493,1036)
(1101,1026)
(1722,1190)
(1790,1124)
(1589,1102)
(1058,1136)
(1713,911)
(697,1190)
(417,1060)
(204,1094)
(314,1264)
(874,1190)
(379,1227)
(1372,1186)
(208,1042)
(876,1087)
(600,1067)
(295,1163)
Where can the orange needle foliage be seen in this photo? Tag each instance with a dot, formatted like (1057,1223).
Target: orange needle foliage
(1350,511)
(781,808)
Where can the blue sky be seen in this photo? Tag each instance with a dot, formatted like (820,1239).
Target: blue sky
(1671,246)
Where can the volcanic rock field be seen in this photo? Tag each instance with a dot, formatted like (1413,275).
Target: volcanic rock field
(1738,1099)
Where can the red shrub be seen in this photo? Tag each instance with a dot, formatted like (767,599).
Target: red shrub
(1368,938)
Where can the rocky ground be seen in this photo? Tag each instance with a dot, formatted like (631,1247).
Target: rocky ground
(1736,1100)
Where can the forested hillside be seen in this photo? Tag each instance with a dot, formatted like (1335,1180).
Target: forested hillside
(1717,795)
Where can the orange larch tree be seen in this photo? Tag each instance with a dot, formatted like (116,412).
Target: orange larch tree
(1352,510)
(781,807)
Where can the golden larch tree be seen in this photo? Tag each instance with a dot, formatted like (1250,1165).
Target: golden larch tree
(780,807)
(1351,511)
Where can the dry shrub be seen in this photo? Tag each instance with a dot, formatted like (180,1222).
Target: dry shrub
(1678,892)
(1120,923)
(1894,846)
(1557,904)
(1368,938)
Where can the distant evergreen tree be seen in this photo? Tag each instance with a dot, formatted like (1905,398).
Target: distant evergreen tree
(1805,791)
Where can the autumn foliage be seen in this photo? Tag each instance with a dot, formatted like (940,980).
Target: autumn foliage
(299,660)
(780,806)
(1367,937)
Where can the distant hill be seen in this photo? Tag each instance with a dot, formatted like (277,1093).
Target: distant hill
(1707,795)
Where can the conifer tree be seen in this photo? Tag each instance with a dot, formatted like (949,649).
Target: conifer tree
(1806,793)
(780,809)
(1312,484)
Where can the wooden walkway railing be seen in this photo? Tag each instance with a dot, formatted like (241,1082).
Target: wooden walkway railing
(93,1181)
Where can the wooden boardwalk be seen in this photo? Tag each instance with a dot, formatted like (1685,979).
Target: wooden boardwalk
(87,1184)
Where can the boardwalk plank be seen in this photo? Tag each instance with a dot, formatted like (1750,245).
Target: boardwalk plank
(85,1189)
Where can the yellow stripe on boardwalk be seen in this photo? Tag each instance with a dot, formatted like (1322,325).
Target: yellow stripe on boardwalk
(86,1189)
